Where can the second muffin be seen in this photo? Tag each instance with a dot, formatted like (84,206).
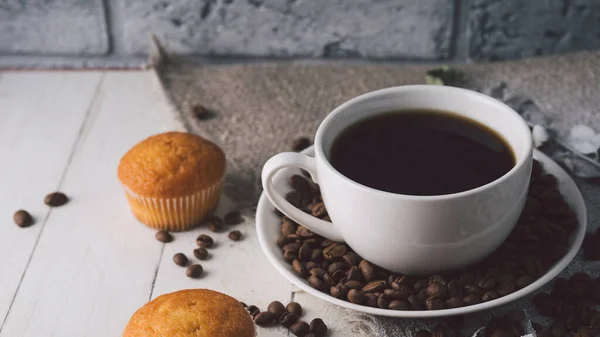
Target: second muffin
(172,180)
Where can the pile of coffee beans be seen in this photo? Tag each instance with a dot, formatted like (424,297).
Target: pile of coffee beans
(571,304)
(538,240)
(288,317)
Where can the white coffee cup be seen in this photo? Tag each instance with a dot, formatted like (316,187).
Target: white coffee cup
(405,233)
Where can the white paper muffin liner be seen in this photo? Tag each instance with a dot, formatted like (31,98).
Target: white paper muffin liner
(174,214)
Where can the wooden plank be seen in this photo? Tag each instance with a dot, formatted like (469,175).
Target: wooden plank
(95,264)
(239,269)
(40,117)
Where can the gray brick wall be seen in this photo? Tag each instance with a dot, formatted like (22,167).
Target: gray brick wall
(91,33)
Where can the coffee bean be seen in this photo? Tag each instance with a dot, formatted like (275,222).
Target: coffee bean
(354,274)
(437,279)
(338,276)
(316,255)
(399,305)
(304,252)
(489,295)
(336,266)
(339,291)
(300,184)
(486,283)
(22,218)
(351,258)
(201,253)
(194,271)
(253,310)
(288,318)
(289,256)
(300,329)
(523,281)
(506,289)
(264,318)
(288,227)
(454,289)
(276,308)
(180,259)
(235,235)
(295,198)
(472,299)
(200,112)
(374,287)
(367,270)
(371,300)
(163,236)
(383,301)
(292,246)
(454,302)
(436,290)
(215,224)
(440,331)
(300,144)
(304,232)
(56,199)
(416,302)
(472,289)
(435,303)
(318,327)
(204,241)
(422,333)
(354,285)
(316,283)
(356,296)
(420,285)
(334,251)
(233,218)
(295,308)
(557,329)
(318,210)
(299,268)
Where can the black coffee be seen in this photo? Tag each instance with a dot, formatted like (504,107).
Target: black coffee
(421,152)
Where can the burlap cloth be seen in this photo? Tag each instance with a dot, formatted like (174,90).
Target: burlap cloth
(260,108)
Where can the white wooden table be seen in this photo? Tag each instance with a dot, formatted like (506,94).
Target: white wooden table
(82,269)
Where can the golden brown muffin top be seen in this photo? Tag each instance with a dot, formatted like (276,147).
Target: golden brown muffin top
(191,313)
(172,164)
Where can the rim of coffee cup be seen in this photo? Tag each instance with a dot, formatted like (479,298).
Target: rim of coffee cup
(520,123)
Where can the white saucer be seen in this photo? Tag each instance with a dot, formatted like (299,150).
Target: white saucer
(268,226)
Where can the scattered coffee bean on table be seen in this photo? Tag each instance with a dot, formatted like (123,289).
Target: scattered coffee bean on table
(318,327)
(233,218)
(204,241)
(538,240)
(164,236)
(294,308)
(300,144)
(180,259)
(194,271)
(235,235)
(22,218)
(215,224)
(201,253)
(276,308)
(56,199)
(264,318)
(288,318)
(300,329)
(253,310)
(201,112)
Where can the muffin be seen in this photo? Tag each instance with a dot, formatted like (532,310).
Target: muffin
(193,313)
(172,180)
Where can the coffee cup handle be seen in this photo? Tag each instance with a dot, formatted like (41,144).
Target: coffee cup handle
(326,229)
